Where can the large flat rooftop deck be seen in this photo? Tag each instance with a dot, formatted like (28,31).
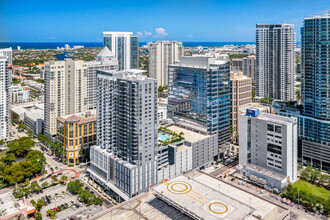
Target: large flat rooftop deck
(209,198)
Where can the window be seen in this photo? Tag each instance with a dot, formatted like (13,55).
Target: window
(270,127)
(278,129)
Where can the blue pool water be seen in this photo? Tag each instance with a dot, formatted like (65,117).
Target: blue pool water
(162,137)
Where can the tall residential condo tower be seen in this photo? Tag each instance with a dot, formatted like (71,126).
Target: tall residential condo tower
(5,79)
(275,61)
(249,66)
(125,159)
(104,61)
(65,91)
(161,54)
(199,95)
(125,47)
(315,90)
(314,113)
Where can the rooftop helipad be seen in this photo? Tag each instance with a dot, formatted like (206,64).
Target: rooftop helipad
(205,197)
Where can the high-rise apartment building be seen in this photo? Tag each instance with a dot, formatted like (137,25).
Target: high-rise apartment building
(241,89)
(104,61)
(237,65)
(275,55)
(314,113)
(249,66)
(315,90)
(65,91)
(5,79)
(125,158)
(125,47)
(199,95)
(268,148)
(162,54)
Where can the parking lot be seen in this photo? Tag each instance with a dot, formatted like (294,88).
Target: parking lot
(58,196)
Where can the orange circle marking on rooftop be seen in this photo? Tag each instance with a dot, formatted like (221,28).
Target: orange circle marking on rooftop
(218,203)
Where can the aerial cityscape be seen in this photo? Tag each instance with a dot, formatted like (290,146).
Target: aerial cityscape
(165,110)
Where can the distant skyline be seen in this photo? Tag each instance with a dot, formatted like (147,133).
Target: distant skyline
(189,21)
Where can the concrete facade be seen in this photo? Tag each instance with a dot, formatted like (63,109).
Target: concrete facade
(275,60)
(162,54)
(105,60)
(19,94)
(125,159)
(65,91)
(125,47)
(268,147)
(5,79)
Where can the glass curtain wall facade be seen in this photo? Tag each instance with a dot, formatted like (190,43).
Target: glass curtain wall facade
(202,95)
(315,91)
(134,52)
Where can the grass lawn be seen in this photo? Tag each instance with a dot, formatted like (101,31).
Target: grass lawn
(311,189)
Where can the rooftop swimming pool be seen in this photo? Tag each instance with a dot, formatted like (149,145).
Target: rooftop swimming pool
(163,137)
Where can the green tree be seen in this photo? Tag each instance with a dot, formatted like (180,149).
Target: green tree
(64,178)
(35,187)
(38,216)
(33,203)
(44,184)
(39,204)
(315,175)
(306,173)
(8,159)
(21,127)
(51,213)
(14,118)
(54,178)
(75,187)
(2,142)
(29,133)
(254,93)
(20,147)
(37,159)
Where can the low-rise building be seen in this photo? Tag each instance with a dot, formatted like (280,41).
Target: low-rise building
(19,94)
(77,132)
(34,119)
(162,113)
(181,150)
(268,148)
(10,209)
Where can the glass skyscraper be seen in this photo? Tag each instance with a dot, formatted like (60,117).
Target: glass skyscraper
(314,113)
(315,90)
(125,47)
(199,95)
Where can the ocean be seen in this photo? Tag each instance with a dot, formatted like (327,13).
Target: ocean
(54,45)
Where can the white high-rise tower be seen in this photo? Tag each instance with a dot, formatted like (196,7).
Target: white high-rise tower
(275,61)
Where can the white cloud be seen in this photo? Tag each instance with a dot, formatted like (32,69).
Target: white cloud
(190,36)
(160,32)
(139,33)
(146,33)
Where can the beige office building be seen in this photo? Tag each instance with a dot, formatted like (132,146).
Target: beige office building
(162,54)
(65,91)
(241,89)
(249,66)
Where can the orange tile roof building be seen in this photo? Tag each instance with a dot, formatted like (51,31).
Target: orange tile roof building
(77,132)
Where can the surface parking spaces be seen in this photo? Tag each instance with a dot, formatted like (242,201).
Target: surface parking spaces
(58,196)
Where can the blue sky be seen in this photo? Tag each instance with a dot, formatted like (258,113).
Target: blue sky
(183,20)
